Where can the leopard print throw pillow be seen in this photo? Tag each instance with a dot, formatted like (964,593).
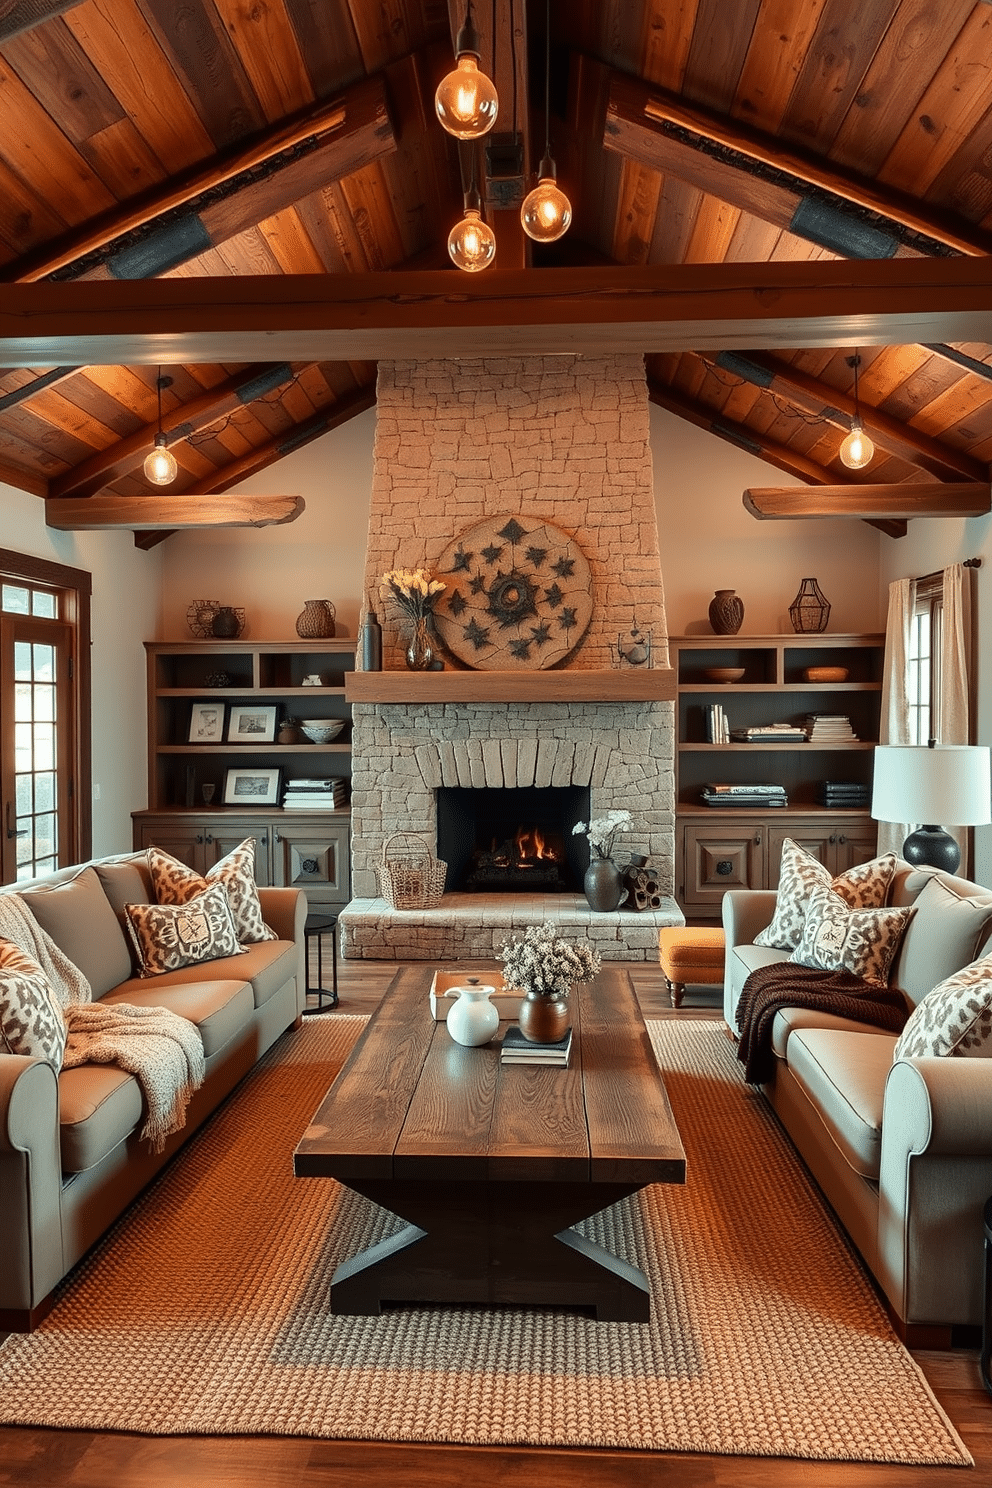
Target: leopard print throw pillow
(955,1018)
(31,1019)
(174,883)
(166,937)
(865,886)
(839,938)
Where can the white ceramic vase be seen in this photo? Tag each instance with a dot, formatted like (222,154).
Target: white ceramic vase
(473,1020)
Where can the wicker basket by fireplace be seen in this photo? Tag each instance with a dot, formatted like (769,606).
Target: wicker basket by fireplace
(410,876)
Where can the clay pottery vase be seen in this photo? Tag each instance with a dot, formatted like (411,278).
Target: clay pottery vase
(603,885)
(726,612)
(315,622)
(543,1017)
(225,625)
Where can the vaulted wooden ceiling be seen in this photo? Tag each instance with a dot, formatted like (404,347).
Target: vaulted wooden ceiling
(204,139)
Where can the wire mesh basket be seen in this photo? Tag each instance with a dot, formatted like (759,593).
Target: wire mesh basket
(410,876)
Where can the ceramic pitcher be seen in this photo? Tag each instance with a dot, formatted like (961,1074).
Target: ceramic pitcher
(473,1020)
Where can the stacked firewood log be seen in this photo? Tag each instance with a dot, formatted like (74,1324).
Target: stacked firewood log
(642,885)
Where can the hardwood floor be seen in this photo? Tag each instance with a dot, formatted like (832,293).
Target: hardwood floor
(81,1459)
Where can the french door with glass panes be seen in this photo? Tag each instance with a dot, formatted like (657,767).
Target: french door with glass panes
(37,728)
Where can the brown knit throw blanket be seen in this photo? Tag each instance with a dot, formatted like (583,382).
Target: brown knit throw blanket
(784,984)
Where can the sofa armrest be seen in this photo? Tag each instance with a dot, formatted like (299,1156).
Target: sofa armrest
(284,911)
(745,912)
(935,1177)
(30,1182)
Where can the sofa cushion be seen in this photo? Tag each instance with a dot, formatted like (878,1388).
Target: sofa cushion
(125,881)
(844,1076)
(789,1020)
(99,1106)
(839,938)
(78,916)
(864,886)
(945,934)
(174,883)
(31,1019)
(220,1009)
(955,1018)
(169,936)
(268,966)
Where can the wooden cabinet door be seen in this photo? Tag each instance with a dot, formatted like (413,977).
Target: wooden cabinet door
(726,855)
(855,842)
(222,837)
(184,840)
(313,855)
(817,838)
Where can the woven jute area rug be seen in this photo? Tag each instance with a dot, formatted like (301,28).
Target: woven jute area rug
(205,1309)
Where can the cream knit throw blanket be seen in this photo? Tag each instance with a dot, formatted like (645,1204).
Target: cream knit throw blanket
(163,1051)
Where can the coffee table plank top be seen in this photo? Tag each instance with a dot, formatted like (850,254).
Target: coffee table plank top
(410,1103)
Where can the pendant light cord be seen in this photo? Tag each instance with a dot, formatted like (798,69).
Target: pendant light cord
(547,82)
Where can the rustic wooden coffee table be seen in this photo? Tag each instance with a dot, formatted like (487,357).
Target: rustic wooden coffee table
(491,1165)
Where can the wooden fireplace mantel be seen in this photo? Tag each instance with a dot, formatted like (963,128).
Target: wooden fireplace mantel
(619,685)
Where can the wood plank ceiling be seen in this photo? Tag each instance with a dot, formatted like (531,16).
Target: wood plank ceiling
(215,138)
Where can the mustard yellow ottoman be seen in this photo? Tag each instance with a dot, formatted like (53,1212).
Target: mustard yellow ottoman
(690,954)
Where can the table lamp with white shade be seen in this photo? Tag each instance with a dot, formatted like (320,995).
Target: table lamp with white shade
(933,783)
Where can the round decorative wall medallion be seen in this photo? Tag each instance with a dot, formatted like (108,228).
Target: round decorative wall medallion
(519,594)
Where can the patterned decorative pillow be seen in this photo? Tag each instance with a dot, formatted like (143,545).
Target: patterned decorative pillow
(865,886)
(168,936)
(955,1018)
(31,1018)
(839,938)
(174,883)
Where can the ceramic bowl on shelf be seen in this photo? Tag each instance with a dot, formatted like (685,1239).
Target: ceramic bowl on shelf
(723,674)
(825,674)
(321,730)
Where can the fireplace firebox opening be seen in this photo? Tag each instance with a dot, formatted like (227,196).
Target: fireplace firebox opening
(517,840)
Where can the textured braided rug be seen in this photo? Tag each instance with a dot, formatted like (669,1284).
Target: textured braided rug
(205,1309)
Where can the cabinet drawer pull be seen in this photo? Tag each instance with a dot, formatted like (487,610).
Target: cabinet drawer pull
(208,837)
(842,838)
(757,839)
(199,836)
(725,866)
(264,839)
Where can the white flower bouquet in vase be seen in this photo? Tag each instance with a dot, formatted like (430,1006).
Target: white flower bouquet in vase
(416,593)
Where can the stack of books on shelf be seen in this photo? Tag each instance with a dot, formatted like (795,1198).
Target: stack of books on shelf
(771,733)
(717,727)
(830,728)
(518,1050)
(840,793)
(744,795)
(329,794)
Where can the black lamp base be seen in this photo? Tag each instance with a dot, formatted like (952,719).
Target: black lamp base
(932,847)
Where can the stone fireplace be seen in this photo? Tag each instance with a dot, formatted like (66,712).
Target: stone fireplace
(556,440)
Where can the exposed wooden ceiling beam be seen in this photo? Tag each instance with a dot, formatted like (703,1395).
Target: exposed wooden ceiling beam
(902,502)
(758,174)
(23,15)
(289,162)
(107,464)
(837,409)
(793,462)
(337,317)
(146,513)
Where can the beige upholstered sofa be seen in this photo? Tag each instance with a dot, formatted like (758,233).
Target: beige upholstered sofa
(71,1154)
(902,1150)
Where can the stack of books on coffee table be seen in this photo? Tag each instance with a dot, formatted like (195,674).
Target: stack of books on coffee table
(518,1050)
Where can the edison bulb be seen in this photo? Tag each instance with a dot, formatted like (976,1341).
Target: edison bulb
(472,243)
(857,450)
(160,466)
(546,211)
(465,101)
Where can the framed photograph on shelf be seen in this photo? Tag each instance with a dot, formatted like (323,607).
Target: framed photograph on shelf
(206,723)
(251,723)
(244,786)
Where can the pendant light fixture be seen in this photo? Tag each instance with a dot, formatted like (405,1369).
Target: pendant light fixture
(857,450)
(466,101)
(546,211)
(160,466)
(472,242)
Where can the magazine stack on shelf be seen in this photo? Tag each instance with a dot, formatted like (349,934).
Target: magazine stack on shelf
(330,794)
(830,728)
(518,1050)
(771,733)
(744,795)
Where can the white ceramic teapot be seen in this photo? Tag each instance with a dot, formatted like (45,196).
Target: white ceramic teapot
(473,1020)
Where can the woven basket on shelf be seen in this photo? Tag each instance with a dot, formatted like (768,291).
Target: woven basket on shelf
(410,876)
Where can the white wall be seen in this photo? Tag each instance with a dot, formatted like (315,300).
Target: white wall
(928,546)
(709,541)
(125,600)
(272,570)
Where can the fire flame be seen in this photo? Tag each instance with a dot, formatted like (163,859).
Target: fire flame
(532,846)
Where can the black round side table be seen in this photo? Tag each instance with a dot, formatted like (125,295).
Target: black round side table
(316,927)
(985,1364)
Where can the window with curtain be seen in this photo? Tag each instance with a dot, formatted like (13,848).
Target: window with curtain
(44,716)
(923,660)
